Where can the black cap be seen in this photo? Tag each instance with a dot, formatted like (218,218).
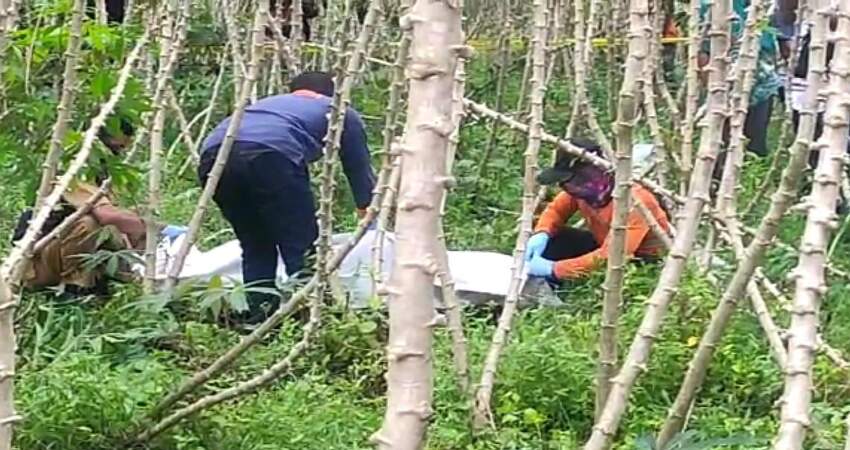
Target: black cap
(566,163)
(318,82)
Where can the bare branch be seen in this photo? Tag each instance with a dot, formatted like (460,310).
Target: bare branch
(482,412)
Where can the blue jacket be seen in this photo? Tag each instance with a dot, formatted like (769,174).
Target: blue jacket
(295,125)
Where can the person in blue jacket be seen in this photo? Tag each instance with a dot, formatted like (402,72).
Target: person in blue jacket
(265,192)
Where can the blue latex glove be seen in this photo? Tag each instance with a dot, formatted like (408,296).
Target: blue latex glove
(540,267)
(172,232)
(373,225)
(536,245)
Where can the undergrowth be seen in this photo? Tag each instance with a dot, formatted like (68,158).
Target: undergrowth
(90,368)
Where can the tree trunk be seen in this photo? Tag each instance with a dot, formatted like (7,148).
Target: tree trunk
(66,103)
(8,416)
(436,40)
(170,44)
(630,93)
(671,275)
(752,257)
(809,273)
(482,412)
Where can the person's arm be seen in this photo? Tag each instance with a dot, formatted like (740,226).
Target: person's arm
(356,164)
(636,231)
(126,222)
(556,214)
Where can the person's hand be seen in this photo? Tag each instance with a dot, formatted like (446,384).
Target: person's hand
(540,267)
(536,245)
(172,232)
(361,212)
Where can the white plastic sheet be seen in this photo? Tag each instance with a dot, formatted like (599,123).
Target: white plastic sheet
(479,276)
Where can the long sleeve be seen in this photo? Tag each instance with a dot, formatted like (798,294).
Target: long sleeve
(556,214)
(636,231)
(355,159)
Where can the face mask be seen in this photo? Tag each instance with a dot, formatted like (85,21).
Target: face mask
(591,184)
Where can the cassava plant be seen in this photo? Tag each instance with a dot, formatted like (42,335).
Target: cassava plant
(245,87)
(436,43)
(751,258)
(170,45)
(809,275)
(634,80)
(657,305)
(482,414)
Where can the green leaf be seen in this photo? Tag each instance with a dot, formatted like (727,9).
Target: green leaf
(101,83)
(367,327)
(215,283)
(112,265)
(238,301)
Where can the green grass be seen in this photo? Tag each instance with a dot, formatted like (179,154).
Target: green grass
(88,369)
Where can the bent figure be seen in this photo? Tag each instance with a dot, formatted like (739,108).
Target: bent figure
(559,252)
(63,260)
(265,192)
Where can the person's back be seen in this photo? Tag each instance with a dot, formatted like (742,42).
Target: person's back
(294,124)
(264,189)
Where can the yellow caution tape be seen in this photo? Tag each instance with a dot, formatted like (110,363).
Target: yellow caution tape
(490,44)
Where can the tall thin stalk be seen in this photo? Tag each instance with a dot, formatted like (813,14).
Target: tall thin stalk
(691,96)
(649,100)
(245,87)
(810,282)
(296,31)
(8,416)
(336,119)
(504,54)
(66,102)
(436,39)
(657,305)
(482,413)
(454,315)
(634,81)
(170,43)
(384,186)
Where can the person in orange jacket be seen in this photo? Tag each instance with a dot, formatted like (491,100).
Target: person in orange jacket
(559,252)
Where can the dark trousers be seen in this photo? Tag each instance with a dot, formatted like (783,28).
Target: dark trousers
(756,125)
(268,201)
(570,243)
(755,130)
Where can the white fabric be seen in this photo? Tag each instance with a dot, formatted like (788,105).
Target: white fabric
(477,275)
(643,156)
(799,88)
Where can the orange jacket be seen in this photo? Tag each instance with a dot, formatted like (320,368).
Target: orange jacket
(639,237)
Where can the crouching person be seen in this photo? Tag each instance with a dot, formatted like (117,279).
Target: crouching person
(265,191)
(64,260)
(559,252)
